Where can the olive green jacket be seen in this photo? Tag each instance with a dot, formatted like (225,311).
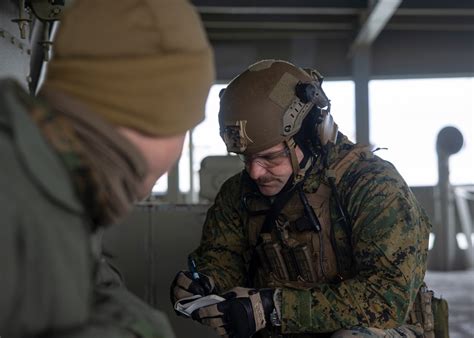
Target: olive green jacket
(385,258)
(53,282)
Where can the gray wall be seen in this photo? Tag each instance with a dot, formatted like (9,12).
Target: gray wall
(395,54)
(14,51)
(150,248)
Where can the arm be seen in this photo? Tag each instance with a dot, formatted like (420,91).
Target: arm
(223,243)
(389,243)
(117,313)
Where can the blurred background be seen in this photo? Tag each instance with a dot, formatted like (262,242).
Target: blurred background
(400,76)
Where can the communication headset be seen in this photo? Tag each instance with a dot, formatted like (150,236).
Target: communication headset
(320,119)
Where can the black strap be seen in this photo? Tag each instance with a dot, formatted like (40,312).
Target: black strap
(346,220)
(272,215)
(267,227)
(340,207)
(309,212)
(277,205)
(284,196)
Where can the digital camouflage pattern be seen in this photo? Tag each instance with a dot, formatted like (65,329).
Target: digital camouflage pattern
(385,266)
(406,331)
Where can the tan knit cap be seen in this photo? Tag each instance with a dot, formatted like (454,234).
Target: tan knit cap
(143,64)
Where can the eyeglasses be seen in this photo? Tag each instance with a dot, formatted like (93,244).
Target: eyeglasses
(266,161)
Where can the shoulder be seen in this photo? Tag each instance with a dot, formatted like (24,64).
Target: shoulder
(231,190)
(373,183)
(32,170)
(232,185)
(368,169)
(374,191)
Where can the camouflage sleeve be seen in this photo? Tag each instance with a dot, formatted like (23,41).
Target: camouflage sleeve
(389,248)
(223,243)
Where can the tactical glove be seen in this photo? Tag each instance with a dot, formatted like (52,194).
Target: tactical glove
(242,314)
(184,285)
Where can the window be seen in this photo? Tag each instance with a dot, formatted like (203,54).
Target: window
(161,186)
(205,141)
(341,94)
(206,138)
(406,116)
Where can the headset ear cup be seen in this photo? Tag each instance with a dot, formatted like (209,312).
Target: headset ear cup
(315,75)
(221,92)
(327,129)
(306,92)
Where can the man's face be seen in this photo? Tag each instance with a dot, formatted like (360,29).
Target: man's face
(271,168)
(160,154)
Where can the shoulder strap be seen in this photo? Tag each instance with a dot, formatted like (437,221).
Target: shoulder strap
(275,209)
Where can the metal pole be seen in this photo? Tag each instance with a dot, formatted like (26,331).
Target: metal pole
(192,191)
(361,76)
(443,254)
(172,194)
(462,196)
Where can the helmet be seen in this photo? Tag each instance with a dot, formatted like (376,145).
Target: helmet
(266,105)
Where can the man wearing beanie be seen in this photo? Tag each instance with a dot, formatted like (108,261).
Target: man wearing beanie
(127,80)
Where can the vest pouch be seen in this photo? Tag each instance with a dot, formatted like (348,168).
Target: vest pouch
(440,316)
(431,313)
(304,263)
(290,263)
(273,252)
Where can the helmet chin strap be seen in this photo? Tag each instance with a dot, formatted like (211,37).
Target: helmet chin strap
(299,170)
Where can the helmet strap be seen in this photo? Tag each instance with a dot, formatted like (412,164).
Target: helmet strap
(299,170)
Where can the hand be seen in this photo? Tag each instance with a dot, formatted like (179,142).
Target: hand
(185,286)
(244,312)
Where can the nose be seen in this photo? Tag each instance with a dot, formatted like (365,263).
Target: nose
(255,170)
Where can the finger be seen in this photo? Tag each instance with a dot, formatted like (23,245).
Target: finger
(196,287)
(221,331)
(213,322)
(183,280)
(238,292)
(207,311)
(207,283)
(179,293)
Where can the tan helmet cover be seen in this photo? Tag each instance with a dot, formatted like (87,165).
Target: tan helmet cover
(259,109)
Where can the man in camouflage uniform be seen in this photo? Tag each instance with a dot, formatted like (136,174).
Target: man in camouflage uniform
(317,236)
(109,120)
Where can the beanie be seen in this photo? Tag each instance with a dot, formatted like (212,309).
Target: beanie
(142,64)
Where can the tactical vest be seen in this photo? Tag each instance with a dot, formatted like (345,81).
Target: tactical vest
(294,254)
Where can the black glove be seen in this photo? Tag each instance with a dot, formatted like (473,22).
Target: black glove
(244,312)
(184,285)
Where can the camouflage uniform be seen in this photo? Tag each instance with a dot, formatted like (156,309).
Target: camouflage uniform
(54,282)
(381,265)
